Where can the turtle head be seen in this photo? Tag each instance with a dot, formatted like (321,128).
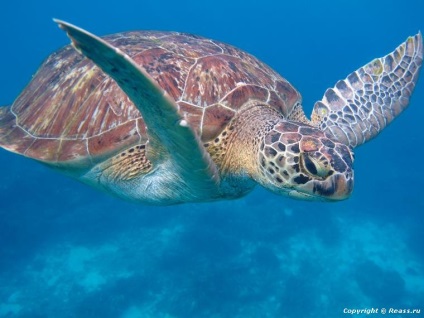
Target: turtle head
(300,161)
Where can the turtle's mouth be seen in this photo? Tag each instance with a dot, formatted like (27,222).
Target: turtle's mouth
(337,187)
(304,196)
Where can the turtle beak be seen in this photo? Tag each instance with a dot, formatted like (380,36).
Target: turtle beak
(337,187)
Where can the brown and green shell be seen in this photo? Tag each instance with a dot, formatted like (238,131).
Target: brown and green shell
(72,114)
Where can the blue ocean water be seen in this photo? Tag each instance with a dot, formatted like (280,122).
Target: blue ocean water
(67,250)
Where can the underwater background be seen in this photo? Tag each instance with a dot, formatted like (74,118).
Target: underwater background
(67,250)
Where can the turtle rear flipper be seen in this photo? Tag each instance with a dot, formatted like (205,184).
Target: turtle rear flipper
(170,136)
(357,108)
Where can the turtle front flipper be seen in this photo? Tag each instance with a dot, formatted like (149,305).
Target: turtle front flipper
(170,136)
(357,108)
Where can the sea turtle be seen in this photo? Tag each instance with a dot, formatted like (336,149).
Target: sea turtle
(166,117)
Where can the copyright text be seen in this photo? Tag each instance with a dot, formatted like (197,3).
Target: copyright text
(370,311)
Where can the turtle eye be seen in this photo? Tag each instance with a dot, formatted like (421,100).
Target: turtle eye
(313,166)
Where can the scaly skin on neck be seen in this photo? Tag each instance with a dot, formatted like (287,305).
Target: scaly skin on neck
(235,150)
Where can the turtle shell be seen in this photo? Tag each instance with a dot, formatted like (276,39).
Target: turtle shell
(72,113)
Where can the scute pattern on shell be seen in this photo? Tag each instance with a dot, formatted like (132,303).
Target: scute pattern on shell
(72,111)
